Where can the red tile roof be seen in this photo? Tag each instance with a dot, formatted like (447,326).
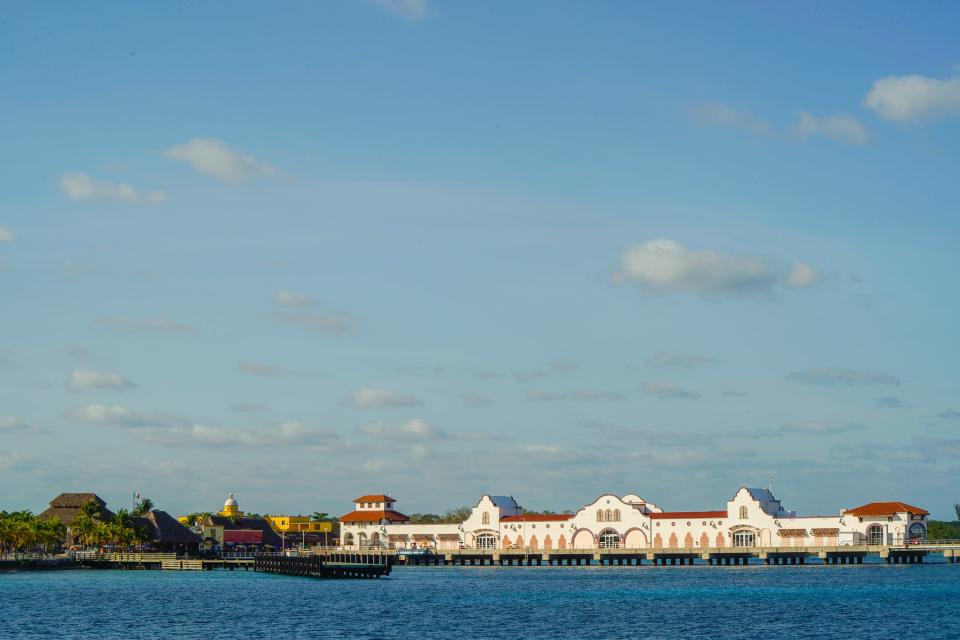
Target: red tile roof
(374,516)
(374,498)
(679,515)
(886,509)
(554,517)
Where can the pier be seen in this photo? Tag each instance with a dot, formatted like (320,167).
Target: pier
(719,556)
(327,565)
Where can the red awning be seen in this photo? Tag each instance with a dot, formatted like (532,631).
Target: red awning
(242,536)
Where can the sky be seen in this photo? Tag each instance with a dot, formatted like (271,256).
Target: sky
(436,249)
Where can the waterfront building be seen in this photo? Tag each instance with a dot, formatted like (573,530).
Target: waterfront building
(231,509)
(298,524)
(67,506)
(752,518)
(165,533)
(235,531)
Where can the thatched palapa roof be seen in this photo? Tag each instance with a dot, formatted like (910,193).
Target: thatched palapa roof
(67,506)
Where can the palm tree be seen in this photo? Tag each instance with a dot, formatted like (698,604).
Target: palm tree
(82,529)
(143,507)
(91,508)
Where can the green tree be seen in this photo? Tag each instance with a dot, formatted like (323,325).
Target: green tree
(91,508)
(456,516)
(956,510)
(143,507)
(82,529)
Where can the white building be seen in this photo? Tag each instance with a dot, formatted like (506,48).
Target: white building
(752,518)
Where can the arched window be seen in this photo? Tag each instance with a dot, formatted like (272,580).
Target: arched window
(875,534)
(608,516)
(616,515)
(486,518)
(743,513)
(348,540)
(599,515)
(918,532)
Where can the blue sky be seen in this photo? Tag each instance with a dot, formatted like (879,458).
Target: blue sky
(439,249)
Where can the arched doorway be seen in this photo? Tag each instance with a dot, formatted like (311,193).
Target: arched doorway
(519,542)
(609,539)
(506,542)
(720,541)
(673,541)
(704,540)
(875,534)
(486,541)
(375,539)
(561,542)
(349,540)
(744,538)
(688,540)
(534,542)
(918,532)
(658,541)
(361,540)
(547,542)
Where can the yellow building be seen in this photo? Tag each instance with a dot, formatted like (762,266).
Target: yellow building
(298,524)
(231,509)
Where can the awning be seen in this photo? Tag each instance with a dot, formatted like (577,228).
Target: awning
(792,533)
(397,537)
(425,537)
(448,536)
(826,532)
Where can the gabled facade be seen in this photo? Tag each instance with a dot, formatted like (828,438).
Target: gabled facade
(753,517)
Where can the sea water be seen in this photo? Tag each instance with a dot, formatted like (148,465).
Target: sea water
(849,602)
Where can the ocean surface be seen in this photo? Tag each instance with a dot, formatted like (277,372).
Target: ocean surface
(849,602)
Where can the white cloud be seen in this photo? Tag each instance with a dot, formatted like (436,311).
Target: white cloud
(416,429)
(668,266)
(674,359)
(840,127)
(891,402)
(716,114)
(914,98)
(575,395)
(215,159)
(80,186)
(803,275)
(665,390)
(7,235)
(836,376)
(260,369)
(476,401)
(9,423)
(370,398)
(8,460)
(293,299)
(564,366)
(286,434)
(120,416)
(333,322)
(249,407)
(82,379)
(133,325)
(413,10)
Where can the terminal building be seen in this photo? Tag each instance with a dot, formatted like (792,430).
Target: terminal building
(752,518)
